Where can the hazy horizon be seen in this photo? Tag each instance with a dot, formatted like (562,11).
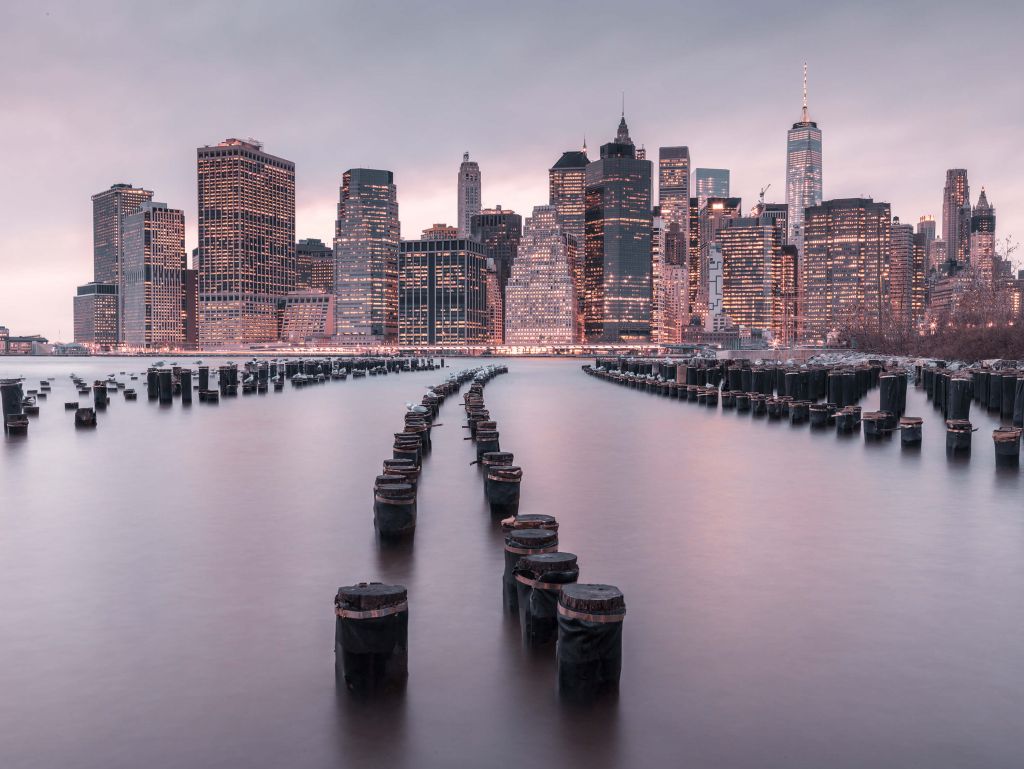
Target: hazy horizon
(107,92)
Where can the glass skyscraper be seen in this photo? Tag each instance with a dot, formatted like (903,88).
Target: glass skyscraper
(617,273)
(956,218)
(803,170)
(710,183)
(366,238)
(152,280)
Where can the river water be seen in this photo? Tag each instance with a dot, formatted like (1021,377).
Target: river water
(795,598)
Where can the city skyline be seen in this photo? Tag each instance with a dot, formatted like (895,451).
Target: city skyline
(54,102)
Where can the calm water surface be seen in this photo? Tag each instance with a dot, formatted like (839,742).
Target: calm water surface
(796,599)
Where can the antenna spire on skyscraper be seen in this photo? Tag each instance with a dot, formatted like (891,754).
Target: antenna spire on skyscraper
(806,114)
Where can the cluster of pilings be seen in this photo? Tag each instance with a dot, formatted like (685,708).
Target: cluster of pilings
(997,391)
(394,490)
(820,396)
(371,632)
(540,584)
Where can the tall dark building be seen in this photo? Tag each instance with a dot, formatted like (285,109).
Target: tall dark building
(567,180)
(617,272)
(902,267)
(442,290)
(96,313)
(152,277)
(499,231)
(803,170)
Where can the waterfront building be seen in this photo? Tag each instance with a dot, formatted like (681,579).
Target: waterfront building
(803,170)
(902,271)
(442,292)
(541,296)
(96,314)
(785,308)
(617,273)
(495,304)
(499,230)
(307,316)
(366,238)
(109,210)
(246,241)
(152,278)
(566,185)
(749,246)
(314,266)
(844,265)
(671,242)
(469,194)
(190,306)
(710,219)
(956,219)
(983,241)
(710,183)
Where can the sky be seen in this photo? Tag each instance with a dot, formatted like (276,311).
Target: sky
(102,92)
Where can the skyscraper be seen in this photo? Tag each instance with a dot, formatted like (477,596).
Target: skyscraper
(785,295)
(540,296)
(710,183)
(749,246)
(442,290)
(566,184)
(674,209)
(710,219)
(314,266)
(956,218)
(846,256)
(246,241)
(152,277)
(499,230)
(617,275)
(803,170)
(469,193)
(983,241)
(109,210)
(366,238)
(567,180)
(901,273)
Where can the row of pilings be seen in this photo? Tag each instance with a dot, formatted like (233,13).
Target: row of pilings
(371,632)
(999,392)
(820,396)
(167,384)
(540,583)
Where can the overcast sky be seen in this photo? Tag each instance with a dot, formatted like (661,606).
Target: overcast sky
(100,92)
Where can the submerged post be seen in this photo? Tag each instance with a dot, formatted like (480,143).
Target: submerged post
(589,640)
(371,637)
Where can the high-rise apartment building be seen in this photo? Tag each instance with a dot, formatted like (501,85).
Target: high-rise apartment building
(845,263)
(152,278)
(366,238)
(96,314)
(499,230)
(710,183)
(541,296)
(956,219)
(803,170)
(246,241)
(442,291)
(617,274)
(785,295)
(469,193)
(902,270)
(750,246)
(314,266)
(983,241)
